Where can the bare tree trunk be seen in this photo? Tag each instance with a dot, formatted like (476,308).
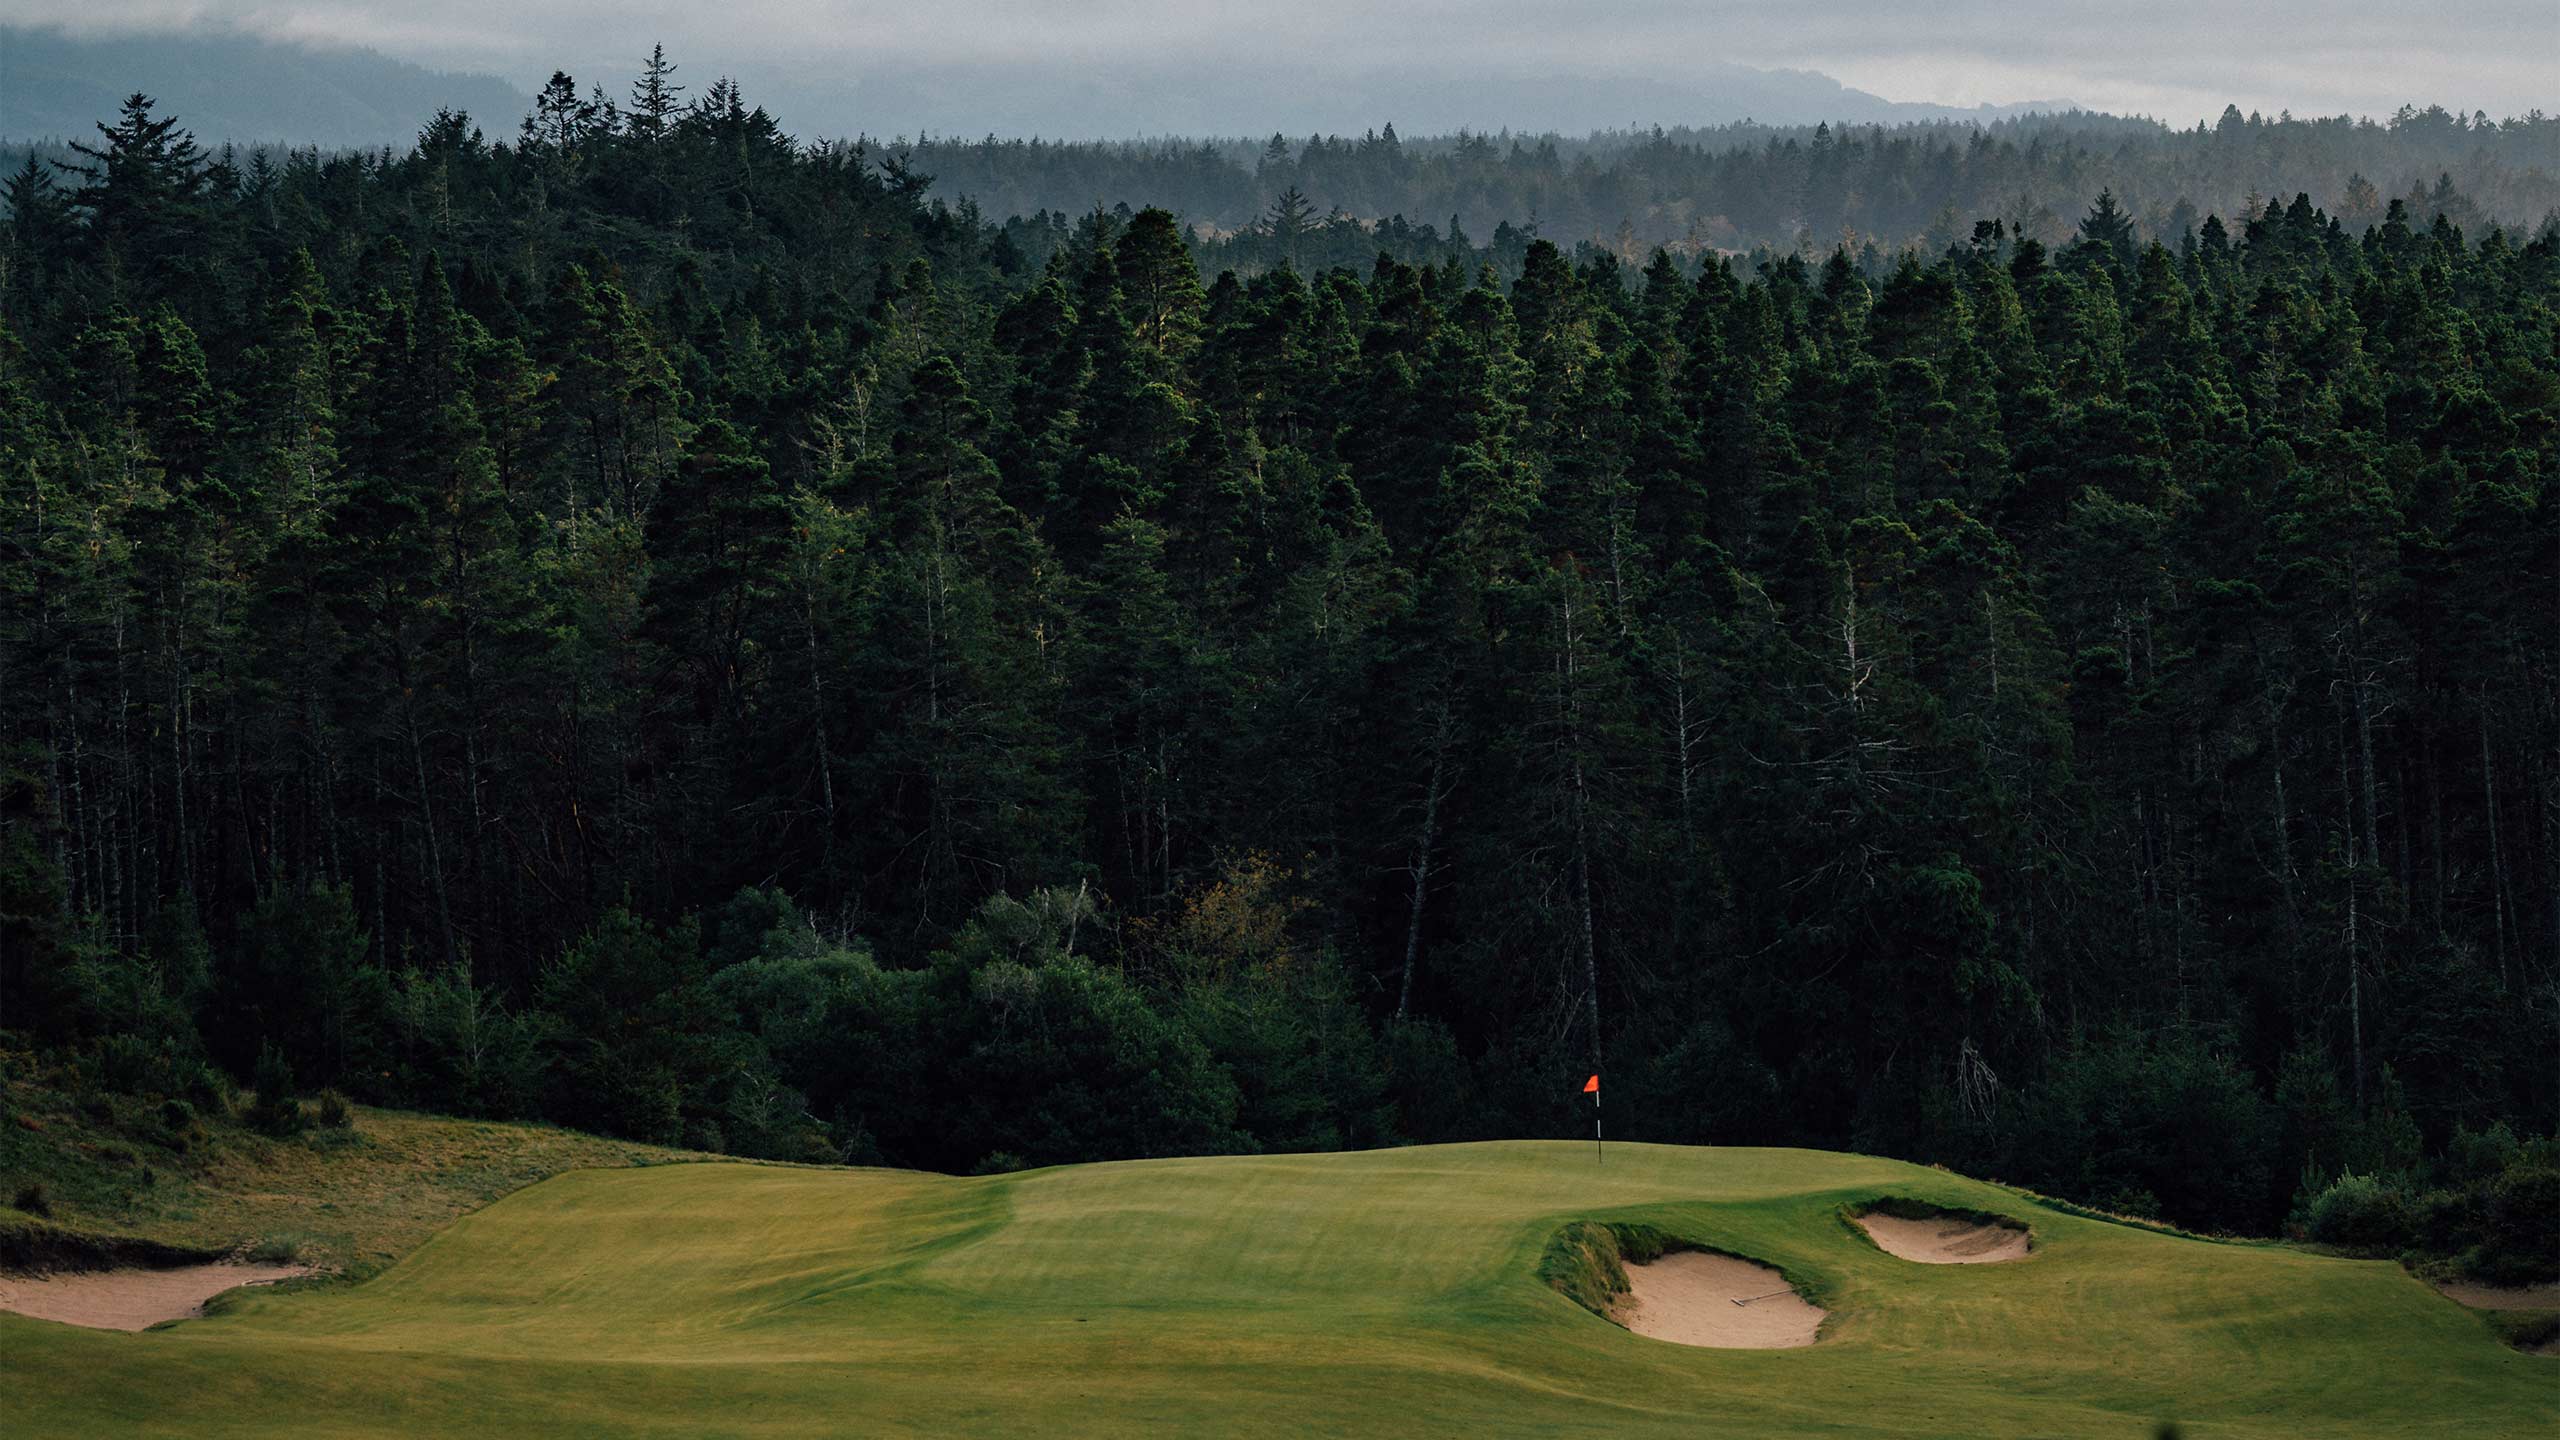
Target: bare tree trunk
(125,873)
(2497,854)
(2364,747)
(1618,546)
(330,828)
(381,867)
(2550,787)
(818,717)
(178,738)
(435,848)
(1684,742)
(938,799)
(1431,795)
(2355,968)
(478,901)
(2284,821)
(1582,883)
(1569,673)
(2435,829)
(1991,637)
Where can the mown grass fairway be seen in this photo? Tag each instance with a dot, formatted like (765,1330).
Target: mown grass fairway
(1389,1292)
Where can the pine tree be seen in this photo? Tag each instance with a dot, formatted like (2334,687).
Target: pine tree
(140,190)
(1160,285)
(655,99)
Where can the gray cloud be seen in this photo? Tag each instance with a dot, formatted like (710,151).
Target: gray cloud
(1117,66)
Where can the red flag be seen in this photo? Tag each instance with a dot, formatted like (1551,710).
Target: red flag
(1591,1086)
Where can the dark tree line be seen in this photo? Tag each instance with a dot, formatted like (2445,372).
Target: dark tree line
(660,626)
(1789,188)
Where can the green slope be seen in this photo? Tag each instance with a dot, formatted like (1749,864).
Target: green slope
(1392,1292)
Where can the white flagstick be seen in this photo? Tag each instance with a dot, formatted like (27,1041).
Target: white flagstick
(1600,1156)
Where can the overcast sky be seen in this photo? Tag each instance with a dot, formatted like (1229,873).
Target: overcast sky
(2179,60)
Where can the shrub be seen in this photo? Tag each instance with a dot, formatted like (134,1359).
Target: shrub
(2520,1228)
(180,1128)
(2362,1212)
(2156,1124)
(458,1048)
(2131,1200)
(624,1045)
(2474,1156)
(1097,1072)
(1427,1080)
(2386,1141)
(1305,1062)
(297,975)
(2443,1218)
(276,1112)
(1064,1060)
(132,1065)
(33,1198)
(333,1113)
(281,1247)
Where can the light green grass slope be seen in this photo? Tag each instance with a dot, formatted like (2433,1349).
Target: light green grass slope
(1387,1293)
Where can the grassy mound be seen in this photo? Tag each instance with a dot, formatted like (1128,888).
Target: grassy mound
(33,1246)
(2534,1331)
(1587,1261)
(1903,1207)
(125,1181)
(1937,1234)
(1378,1293)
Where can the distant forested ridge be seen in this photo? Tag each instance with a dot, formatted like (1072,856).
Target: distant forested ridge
(231,85)
(1810,187)
(658,626)
(244,82)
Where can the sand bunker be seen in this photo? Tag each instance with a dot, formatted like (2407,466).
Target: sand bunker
(2502,1297)
(1944,1239)
(1691,1297)
(132,1299)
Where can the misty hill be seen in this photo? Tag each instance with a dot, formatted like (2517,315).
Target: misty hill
(225,85)
(1063,101)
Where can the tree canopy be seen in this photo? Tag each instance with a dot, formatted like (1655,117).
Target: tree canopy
(667,627)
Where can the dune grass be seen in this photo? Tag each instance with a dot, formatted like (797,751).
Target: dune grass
(119,1179)
(1391,1292)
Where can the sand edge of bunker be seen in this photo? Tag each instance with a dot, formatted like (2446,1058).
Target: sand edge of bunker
(123,1282)
(1662,1286)
(2523,1317)
(134,1298)
(2478,1295)
(1928,1234)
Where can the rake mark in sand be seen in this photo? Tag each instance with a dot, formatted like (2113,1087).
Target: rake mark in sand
(1697,1297)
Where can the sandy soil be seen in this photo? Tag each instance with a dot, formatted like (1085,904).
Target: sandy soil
(1688,1298)
(132,1299)
(2502,1297)
(1945,1240)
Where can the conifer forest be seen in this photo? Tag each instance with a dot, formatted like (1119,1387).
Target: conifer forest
(647,621)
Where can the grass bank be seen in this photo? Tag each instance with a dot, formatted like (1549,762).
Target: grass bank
(1388,1292)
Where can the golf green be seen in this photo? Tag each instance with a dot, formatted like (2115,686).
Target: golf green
(1392,1292)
